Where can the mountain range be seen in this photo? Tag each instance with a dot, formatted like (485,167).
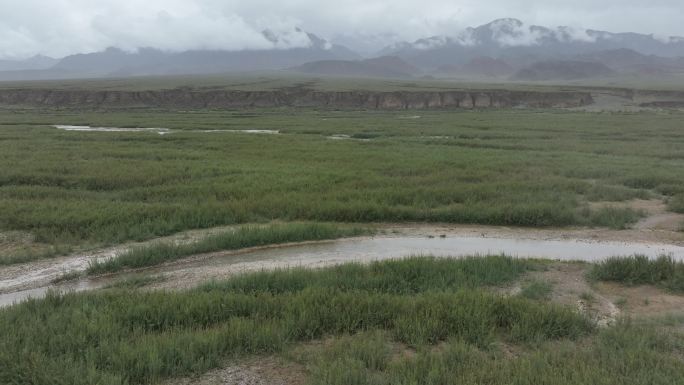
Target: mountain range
(505,48)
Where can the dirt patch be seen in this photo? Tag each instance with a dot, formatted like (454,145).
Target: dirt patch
(13,242)
(663,221)
(253,371)
(568,233)
(642,301)
(603,301)
(571,288)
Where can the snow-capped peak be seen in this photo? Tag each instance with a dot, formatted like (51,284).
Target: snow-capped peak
(294,38)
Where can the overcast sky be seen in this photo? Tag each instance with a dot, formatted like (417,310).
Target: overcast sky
(61,27)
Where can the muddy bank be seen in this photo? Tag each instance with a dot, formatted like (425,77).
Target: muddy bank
(297,97)
(34,279)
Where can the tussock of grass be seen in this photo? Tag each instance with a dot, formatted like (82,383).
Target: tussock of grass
(676,203)
(537,290)
(614,217)
(640,270)
(70,276)
(131,337)
(243,237)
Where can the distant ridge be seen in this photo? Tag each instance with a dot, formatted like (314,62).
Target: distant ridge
(563,70)
(382,67)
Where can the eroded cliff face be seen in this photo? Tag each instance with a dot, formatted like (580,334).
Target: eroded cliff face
(185,98)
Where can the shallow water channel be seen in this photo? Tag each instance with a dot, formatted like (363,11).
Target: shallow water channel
(160,131)
(192,271)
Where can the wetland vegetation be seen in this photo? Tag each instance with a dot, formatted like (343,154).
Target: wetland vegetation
(412,321)
(523,168)
(641,270)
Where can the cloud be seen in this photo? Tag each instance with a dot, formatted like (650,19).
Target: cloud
(62,27)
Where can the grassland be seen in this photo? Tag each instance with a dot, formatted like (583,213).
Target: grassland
(526,168)
(268,81)
(121,336)
(414,321)
(277,80)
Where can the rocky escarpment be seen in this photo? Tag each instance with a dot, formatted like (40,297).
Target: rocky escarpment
(646,98)
(189,98)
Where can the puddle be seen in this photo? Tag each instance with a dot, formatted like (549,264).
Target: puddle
(268,132)
(347,137)
(160,131)
(191,272)
(339,137)
(379,248)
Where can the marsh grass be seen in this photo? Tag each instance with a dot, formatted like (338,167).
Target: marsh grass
(242,237)
(119,336)
(641,270)
(404,277)
(618,218)
(521,168)
(625,353)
